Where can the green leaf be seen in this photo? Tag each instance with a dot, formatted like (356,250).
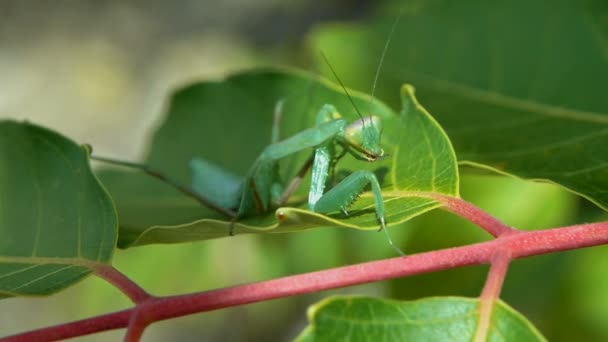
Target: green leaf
(56,220)
(518,86)
(430,319)
(229,124)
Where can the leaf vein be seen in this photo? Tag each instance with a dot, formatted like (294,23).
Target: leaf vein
(506,101)
(41,277)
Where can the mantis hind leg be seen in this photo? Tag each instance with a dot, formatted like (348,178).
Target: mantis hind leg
(341,196)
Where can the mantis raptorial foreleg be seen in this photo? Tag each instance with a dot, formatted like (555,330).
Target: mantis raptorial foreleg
(327,113)
(329,129)
(262,179)
(262,189)
(346,192)
(343,194)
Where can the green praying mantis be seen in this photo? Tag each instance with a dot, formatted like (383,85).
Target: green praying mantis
(262,189)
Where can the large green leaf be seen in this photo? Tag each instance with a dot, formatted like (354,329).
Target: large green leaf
(56,220)
(430,319)
(229,123)
(519,86)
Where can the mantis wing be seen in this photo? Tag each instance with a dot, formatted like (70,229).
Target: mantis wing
(218,185)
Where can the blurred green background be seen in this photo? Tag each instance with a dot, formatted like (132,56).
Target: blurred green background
(100,73)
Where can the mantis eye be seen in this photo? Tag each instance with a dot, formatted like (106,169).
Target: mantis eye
(363,135)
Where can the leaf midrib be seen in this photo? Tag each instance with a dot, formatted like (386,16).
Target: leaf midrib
(499,99)
(50,260)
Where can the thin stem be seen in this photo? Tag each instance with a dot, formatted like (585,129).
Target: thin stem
(122,282)
(522,244)
(491,292)
(137,324)
(472,213)
(168,180)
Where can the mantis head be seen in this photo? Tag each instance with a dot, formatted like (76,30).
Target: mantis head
(363,138)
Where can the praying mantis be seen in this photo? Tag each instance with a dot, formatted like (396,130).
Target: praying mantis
(262,190)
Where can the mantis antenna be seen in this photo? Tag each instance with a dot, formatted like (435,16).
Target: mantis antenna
(386,45)
(371,100)
(343,87)
(381,63)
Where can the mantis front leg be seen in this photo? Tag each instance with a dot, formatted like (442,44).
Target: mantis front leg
(341,196)
(262,186)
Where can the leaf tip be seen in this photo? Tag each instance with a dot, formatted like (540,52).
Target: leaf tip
(408,96)
(408,90)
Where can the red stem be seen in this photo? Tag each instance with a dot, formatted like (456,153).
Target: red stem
(472,213)
(122,282)
(137,324)
(520,244)
(491,291)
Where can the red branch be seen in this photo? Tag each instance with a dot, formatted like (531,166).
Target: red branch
(491,291)
(519,243)
(139,321)
(122,282)
(470,212)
